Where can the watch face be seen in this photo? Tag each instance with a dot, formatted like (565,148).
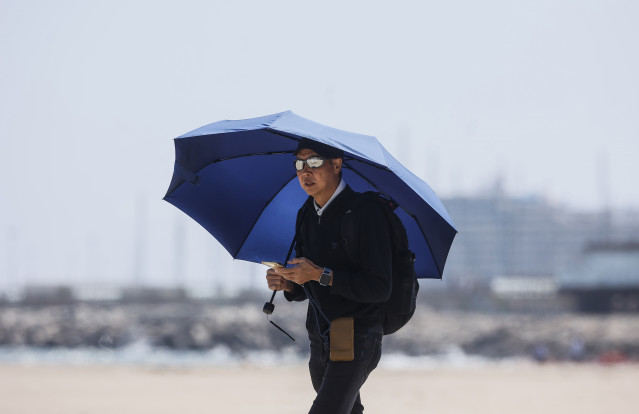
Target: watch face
(325,277)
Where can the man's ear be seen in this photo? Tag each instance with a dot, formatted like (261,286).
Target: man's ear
(337,165)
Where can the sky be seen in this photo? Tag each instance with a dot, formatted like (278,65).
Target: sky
(542,96)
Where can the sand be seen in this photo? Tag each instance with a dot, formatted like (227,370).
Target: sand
(520,388)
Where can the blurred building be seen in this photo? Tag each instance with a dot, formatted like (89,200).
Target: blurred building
(504,237)
(153,294)
(535,293)
(605,279)
(47,295)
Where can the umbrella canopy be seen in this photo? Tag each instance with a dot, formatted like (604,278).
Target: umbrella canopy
(237,180)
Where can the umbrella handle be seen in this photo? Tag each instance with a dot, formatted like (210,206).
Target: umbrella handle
(268,309)
(268,306)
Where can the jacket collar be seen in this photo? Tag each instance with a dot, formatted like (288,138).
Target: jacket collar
(335,206)
(340,187)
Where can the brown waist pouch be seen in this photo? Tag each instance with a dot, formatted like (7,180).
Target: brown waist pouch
(342,339)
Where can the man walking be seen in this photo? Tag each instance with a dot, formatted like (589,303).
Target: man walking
(345,290)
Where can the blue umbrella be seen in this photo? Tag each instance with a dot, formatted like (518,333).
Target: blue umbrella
(236,178)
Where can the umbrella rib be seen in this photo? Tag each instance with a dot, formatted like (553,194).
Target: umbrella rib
(226,159)
(256,153)
(246,155)
(260,215)
(368,181)
(379,167)
(282,134)
(407,212)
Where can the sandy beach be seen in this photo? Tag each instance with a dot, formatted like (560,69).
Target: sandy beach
(507,388)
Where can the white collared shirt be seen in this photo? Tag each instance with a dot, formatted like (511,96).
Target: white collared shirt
(339,189)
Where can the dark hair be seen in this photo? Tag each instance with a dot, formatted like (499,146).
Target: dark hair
(323,150)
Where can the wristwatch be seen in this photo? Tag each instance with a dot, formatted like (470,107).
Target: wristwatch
(325,277)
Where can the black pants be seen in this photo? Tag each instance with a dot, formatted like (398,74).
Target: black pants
(337,383)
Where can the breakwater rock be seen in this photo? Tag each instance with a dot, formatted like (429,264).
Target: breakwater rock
(244,328)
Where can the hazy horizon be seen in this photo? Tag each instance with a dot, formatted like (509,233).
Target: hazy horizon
(541,95)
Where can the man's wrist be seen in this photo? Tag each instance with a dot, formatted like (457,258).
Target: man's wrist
(289,287)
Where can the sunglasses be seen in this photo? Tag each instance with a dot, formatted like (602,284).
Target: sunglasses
(312,162)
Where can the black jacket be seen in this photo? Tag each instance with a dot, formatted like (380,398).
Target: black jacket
(360,283)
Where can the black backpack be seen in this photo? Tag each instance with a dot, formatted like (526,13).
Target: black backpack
(401,306)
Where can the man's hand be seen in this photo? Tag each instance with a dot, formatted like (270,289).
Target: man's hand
(303,271)
(277,282)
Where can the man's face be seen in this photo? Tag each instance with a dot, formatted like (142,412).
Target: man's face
(321,182)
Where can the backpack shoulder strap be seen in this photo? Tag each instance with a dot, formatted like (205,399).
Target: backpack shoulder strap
(348,223)
(301,214)
(396,228)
